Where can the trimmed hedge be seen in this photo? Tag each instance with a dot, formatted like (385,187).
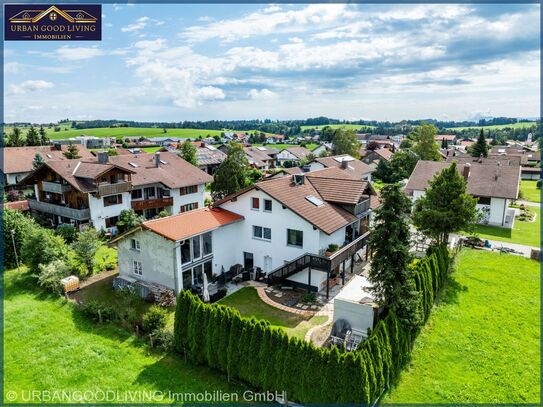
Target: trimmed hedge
(266,358)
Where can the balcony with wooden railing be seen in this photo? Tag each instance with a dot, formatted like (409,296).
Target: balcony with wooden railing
(152,203)
(55,187)
(60,210)
(105,189)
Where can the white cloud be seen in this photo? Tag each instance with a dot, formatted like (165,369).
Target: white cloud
(261,94)
(78,53)
(140,24)
(12,67)
(30,86)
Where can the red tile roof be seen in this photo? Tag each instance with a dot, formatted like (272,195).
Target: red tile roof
(188,224)
(20,159)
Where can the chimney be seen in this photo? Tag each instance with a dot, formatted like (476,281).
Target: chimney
(298,179)
(103,158)
(344,164)
(57,146)
(498,171)
(157,159)
(466,171)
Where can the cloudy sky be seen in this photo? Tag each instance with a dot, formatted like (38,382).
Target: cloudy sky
(201,62)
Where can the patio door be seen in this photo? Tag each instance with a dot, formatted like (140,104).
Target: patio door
(248,261)
(267,264)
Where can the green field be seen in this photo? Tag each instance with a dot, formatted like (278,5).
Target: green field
(281,146)
(337,126)
(519,125)
(481,343)
(529,191)
(50,346)
(526,233)
(249,304)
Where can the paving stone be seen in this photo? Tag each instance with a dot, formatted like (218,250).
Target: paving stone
(279,295)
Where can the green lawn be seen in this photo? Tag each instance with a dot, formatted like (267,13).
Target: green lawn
(527,233)
(105,257)
(481,343)
(50,346)
(249,304)
(519,125)
(151,149)
(529,191)
(281,146)
(337,126)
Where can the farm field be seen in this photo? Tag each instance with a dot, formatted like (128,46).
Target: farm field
(526,233)
(481,343)
(337,126)
(519,125)
(50,346)
(281,146)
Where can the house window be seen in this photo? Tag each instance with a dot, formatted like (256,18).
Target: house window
(135,244)
(206,238)
(113,200)
(110,222)
(185,252)
(189,207)
(267,205)
(196,252)
(191,189)
(136,268)
(260,232)
(137,194)
(149,192)
(483,200)
(255,203)
(295,238)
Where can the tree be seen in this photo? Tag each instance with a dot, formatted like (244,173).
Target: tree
(446,207)
(44,139)
(32,137)
(72,153)
(16,228)
(389,273)
(15,138)
(128,219)
(372,146)
(231,174)
(50,275)
(188,153)
(42,246)
(345,142)
(426,147)
(384,172)
(406,143)
(403,163)
(480,147)
(38,161)
(85,247)
(444,143)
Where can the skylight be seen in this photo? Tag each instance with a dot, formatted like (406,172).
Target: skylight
(261,148)
(49,156)
(314,200)
(344,158)
(209,147)
(133,165)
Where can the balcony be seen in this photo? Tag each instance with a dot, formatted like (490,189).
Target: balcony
(113,189)
(45,207)
(362,207)
(152,203)
(55,187)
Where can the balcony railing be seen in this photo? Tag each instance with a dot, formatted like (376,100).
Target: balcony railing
(112,189)
(45,207)
(152,203)
(55,187)
(348,250)
(362,207)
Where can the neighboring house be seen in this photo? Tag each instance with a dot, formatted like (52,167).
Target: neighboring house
(449,138)
(209,158)
(324,147)
(88,141)
(528,157)
(353,168)
(275,139)
(373,157)
(95,192)
(295,154)
(261,227)
(19,161)
(262,157)
(531,173)
(495,186)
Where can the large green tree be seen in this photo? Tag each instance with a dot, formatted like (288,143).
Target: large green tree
(389,273)
(42,246)
(85,247)
(32,137)
(399,167)
(480,147)
(232,174)
(17,227)
(345,142)
(44,139)
(72,153)
(15,138)
(188,153)
(446,207)
(128,219)
(38,161)
(426,146)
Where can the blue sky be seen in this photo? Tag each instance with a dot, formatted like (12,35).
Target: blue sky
(202,62)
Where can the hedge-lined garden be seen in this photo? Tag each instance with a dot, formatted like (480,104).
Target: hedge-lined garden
(266,358)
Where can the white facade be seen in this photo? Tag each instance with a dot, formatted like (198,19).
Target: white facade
(99,213)
(286,155)
(355,305)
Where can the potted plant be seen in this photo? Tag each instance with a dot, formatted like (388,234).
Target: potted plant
(332,247)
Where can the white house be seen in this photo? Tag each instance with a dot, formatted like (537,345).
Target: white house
(352,167)
(264,227)
(95,192)
(292,154)
(494,185)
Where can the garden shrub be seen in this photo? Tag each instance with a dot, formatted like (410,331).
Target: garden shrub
(50,275)
(42,246)
(154,319)
(266,358)
(67,232)
(96,311)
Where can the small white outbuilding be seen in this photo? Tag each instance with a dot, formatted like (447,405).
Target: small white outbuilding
(356,305)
